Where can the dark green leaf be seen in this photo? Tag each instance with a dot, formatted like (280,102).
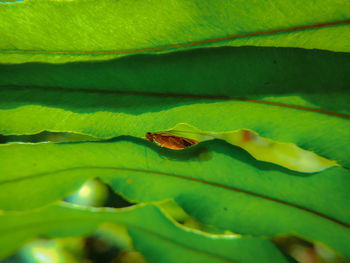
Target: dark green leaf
(294,77)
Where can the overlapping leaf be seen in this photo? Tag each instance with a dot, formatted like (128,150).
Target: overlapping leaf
(323,134)
(287,95)
(287,155)
(153,234)
(160,90)
(294,77)
(213,182)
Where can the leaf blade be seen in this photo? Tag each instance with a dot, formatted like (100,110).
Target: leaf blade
(287,155)
(251,204)
(80,38)
(321,134)
(226,72)
(64,220)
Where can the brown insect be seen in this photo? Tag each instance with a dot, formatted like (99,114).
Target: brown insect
(163,139)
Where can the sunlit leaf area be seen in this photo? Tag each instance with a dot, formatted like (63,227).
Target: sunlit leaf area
(174,131)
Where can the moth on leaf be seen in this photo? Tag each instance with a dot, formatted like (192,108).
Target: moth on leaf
(164,139)
(286,154)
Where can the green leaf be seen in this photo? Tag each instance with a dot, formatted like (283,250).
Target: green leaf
(157,237)
(315,79)
(284,154)
(214,182)
(160,90)
(287,95)
(62,31)
(323,134)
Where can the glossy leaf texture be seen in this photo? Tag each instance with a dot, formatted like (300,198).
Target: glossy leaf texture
(76,31)
(154,234)
(214,182)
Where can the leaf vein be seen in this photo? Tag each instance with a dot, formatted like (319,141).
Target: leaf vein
(185,96)
(230,188)
(181,45)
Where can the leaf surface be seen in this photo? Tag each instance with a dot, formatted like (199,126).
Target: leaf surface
(214,183)
(154,234)
(284,154)
(287,95)
(320,133)
(313,79)
(62,31)
(220,82)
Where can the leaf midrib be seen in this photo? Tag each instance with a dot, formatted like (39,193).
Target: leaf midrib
(182,45)
(179,95)
(184,178)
